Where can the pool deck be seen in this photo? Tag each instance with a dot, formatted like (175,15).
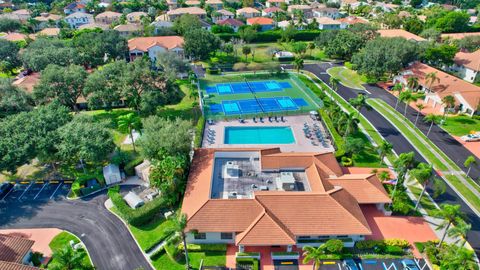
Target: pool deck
(302,143)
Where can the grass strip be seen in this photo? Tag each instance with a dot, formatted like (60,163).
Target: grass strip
(467,193)
(426,203)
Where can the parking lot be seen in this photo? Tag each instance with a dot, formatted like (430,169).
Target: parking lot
(371,264)
(37,191)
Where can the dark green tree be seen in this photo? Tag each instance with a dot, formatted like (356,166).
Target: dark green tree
(13,99)
(42,52)
(9,25)
(200,43)
(8,56)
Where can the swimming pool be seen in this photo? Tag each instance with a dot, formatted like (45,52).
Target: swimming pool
(259,135)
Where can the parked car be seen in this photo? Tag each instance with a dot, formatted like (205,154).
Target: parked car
(471,137)
(350,264)
(409,264)
(5,188)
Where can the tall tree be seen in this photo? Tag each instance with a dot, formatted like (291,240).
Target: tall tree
(68,259)
(384,149)
(334,83)
(420,107)
(412,83)
(9,25)
(359,103)
(431,78)
(42,52)
(246,50)
(298,64)
(432,119)
(13,99)
(402,165)
(449,215)
(185,23)
(469,162)
(64,84)
(398,87)
(423,173)
(448,103)
(129,123)
(460,231)
(8,56)
(313,254)
(172,64)
(200,43)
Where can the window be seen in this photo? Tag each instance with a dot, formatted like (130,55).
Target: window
(304,237)
(200,236)
(226,235)
(342,236)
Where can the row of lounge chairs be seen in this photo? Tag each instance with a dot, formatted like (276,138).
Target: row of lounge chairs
(271,119)
(315,134)
(210,135)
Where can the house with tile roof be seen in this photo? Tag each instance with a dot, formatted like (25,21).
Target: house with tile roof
(15,252)
(274,3)
(327,23)
(136,17)
(77,19)
(306,9)
(129,29)
(248,12)
(49,32)
(215,4)
(74,7)
(271,11)
(351,20)
(235,24)
(222,14)
(467,66)
(454,36)
(152,46)
(252,197)
(47,19)
(332,13)
(399,33)
(108,17)
(264,23)
(467,95)
(175,13)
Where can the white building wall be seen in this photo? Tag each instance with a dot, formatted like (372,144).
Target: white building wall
(211,238)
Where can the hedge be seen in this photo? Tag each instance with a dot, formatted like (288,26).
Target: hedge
(199,131)
(337,139)
(204,247)
(157,254)
(249,261)
(370,244)
(139,216)
(130,166)
(274,35)
(394,250)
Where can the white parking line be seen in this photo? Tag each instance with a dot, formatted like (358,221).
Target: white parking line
(31,184)
(6,195)
(59,185)
(44,185)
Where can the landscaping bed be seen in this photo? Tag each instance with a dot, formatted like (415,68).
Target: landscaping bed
(61,241)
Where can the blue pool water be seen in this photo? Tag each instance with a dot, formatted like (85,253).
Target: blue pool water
(258,135)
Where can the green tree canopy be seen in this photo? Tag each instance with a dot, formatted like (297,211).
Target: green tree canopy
(42,52)
(8,56)
(185,23)
(200,43)
(9,25)
(13,99)
(95,48)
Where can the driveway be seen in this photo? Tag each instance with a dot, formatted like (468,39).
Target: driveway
(401,145)
(107,239)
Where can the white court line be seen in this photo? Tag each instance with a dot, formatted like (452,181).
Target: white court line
(59,185)
(44,185)
(31,184)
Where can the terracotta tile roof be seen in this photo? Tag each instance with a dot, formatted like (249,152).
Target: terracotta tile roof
(276,1)
(459,35)
(136,15)
(446,85)
(230,21)
(13,249)
(213,2)
(75,5)
(187,10)
(28,82)
(130,27)
(192,3)
(22,12)
(45,17)
(299,7)
(109,14)
(247,10)
(265,230)
(399,33)
(366,189)
(16,266)
(144,43)
(260,21)
(326,20)
(352,20)
(273,9)
(14,37)
(93,26)
(50,32)
(225,12)
(468,60)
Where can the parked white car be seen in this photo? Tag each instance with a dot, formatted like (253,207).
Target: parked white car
(471,137)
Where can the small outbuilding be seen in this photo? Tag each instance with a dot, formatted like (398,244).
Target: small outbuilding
(112,174)
(133,200)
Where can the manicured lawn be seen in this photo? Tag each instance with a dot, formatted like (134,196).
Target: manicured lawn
(210,258)
(426,203)
(63,239)
(261,52)
(461,125)
(369,157)
(187,108)
(347,77)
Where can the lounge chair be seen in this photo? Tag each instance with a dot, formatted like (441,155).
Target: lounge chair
(254,120)
(281,117)
(276,118)
(261,119)
(270,119)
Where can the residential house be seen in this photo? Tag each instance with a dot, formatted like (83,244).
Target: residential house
(332,13)
(193,3)
(454,36)
(274,3)
(235,24)
(285,24)
(152,46)
(326,23)
(214,4)
(264,23)
(172,4)
(467,66)
(205,25)
(307,10)
(74,8)
(351,4)
(173,14)
(159,25)
(14,37)
(130,29)
(78,19)
(21,15)
(6,4)
(47,19)
(271,11)
(399,33)
(351,20)
(49,32)
(386,7)
(248,12)
(222,14)
(107,17)
(136,17)
(297,199)
(15,251)
(94,25)
(467,95)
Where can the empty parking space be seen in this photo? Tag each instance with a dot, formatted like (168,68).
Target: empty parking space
(38,191)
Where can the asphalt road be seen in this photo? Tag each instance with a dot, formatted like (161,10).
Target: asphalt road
(401,145)
(107,239)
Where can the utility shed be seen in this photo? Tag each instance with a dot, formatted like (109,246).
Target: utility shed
(112,174)
(133,200)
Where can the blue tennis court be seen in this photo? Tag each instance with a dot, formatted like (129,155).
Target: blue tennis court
(247,87)
(261,105)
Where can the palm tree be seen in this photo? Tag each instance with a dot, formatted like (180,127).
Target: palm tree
(407,97)
(298,64)
(432,119)
(423,174)
(463,259)
(384,176)
(334,83)
(398,87)
(460,231)
(351,123)
(129,122)
(449,214)
(359,102)
(383,149)
(179,225)
(431,78)
(412,83)
(311,47)
(448,102)
(401,165)
(68,259)
(313,254)
(420,107)
(469,162)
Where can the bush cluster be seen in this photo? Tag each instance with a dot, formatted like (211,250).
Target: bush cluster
(253,263)
(130,166)
(199,131)
(273,36)
(136,217)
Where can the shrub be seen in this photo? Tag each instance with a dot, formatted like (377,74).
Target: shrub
(75,188)
(394,250)
(369,244)
(139,216)
(346,161)
(253,263)
(213,71)
(172,251)
(157,254)
(199,131)
(382,244)
(334,246)
(204,247)
(397,242)
(420,246)
(130,166)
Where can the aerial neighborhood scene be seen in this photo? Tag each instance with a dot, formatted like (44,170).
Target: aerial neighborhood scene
(240,134)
